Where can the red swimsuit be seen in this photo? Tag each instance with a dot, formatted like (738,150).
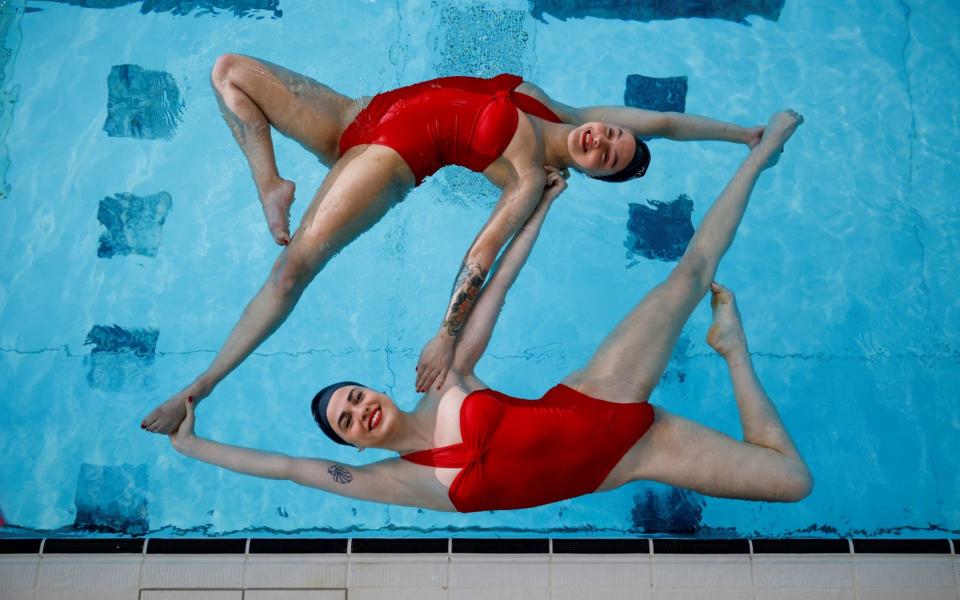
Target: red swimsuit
(463,121)
(522,453)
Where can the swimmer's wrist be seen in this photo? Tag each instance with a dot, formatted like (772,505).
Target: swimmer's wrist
(445,335)
(185,445)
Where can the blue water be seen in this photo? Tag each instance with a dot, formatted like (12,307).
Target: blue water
(131,239)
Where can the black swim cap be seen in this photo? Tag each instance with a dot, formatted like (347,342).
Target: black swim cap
(319,409)
(637,167)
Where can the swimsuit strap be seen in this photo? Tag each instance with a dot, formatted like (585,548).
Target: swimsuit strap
(454,456)
(532,106)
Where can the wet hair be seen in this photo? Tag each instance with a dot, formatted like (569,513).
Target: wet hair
(319,409)
(636,168)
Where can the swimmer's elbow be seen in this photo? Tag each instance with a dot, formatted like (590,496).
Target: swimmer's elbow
(666,124)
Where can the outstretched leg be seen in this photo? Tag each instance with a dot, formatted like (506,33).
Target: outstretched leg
(255,95)
(677,451)
(631,360)
(360,188)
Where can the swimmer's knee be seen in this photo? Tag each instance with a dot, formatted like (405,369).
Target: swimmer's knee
(291,275)
(798,486)
(225,67)
(695,267)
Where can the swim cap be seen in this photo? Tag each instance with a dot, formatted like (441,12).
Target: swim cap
(637,167)
(319,409)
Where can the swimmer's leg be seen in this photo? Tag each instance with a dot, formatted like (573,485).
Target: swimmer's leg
(360,188)
(677,451)
(680,452)
(255,94)
(632,358)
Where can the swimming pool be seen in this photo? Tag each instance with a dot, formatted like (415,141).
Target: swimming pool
(131,240)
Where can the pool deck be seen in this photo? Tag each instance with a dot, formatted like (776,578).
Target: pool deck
(427,569)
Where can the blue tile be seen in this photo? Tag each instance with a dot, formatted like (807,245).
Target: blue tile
(121,359)
(477,40)
(656,93)
(656,10)
(133,224)
(112,498)
(142,103)
(659,230)
(665,509)
(240,8)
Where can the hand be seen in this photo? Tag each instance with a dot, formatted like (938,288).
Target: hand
(753,136)
(556,182)
(182,437)
(435,360)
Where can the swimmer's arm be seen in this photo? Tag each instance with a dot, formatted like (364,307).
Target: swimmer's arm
(671,125)
(476,333)
(377,482)
(650,123)
(512,210)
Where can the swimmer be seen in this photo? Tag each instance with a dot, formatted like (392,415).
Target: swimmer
(466,447)
(381,147)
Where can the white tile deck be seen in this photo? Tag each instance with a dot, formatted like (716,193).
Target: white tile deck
(479,577)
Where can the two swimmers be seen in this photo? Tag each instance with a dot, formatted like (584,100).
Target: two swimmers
(379,148)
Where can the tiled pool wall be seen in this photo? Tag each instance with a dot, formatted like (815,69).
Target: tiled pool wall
(400,569)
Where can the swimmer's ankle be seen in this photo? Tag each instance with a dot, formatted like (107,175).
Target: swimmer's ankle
(737,358)
(203,386)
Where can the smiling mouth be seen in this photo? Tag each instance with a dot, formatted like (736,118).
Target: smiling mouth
(585,139)
(374,419)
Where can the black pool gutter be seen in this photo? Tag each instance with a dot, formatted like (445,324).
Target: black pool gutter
(651,546)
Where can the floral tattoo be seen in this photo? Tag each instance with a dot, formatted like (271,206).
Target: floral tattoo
(465,291)
(340,474)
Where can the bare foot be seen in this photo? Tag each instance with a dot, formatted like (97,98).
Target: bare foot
(726,334)
(276,199)
(166,417)
(782,125)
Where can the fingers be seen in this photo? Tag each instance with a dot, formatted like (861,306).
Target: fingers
(441,378)
(426,378)
(423,375)
(563,173)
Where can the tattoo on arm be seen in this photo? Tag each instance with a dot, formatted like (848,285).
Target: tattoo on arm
(340,474)
(465,290)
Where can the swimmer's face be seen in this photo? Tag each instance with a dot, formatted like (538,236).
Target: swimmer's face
(601,149)
(361,416)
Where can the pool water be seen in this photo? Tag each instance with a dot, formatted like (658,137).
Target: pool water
(131,239)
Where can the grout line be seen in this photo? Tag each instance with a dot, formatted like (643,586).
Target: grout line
(953,551)
(43,542)
(753,574)
(447,587)
(36,572)
(850,544)
(348,575)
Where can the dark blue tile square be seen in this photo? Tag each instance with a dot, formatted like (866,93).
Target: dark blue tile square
(656,93)
(112,498)
(659,230)
(142,103)
(664,509)
(654,10)
(133,224)
(121,359)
